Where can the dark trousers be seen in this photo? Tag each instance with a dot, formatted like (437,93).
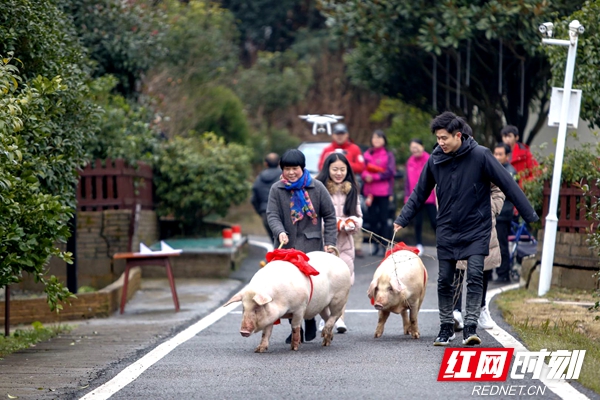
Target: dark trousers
(458,280)
(431,211)
(446,289)
(263,216)
(503,230)
(377,216)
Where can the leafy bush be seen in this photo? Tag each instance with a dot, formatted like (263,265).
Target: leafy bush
(278,141)
(125,128)
(576,167)
(406,123)
(201,175)
(31,220)
(222,112)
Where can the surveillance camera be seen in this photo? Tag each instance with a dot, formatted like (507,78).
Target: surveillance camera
(546,28)
(575,26)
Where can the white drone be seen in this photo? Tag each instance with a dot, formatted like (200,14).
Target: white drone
(321,123)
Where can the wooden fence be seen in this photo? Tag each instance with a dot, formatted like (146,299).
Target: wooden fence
(571,207)
(111,184)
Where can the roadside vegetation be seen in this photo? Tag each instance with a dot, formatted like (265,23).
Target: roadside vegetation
(24,338)
(553,325)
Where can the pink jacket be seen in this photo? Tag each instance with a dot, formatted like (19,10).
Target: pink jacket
(414,167)
(380,164)
(345,239)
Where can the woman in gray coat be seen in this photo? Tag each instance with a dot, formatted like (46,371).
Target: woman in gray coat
(301,214)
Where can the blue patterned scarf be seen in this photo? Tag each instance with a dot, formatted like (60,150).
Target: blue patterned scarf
(300,204)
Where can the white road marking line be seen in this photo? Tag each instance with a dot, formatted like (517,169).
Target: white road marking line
(264,245)
(561,387)
(133,371)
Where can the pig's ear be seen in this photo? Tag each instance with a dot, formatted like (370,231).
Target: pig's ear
(397,285)
(262,299)
(234,299)
(372,287)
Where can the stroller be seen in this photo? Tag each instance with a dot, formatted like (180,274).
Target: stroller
(521,244)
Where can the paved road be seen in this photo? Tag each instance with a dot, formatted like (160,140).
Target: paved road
(218,363)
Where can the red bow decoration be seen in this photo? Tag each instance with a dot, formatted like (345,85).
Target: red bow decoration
(375,168)
(401,246)
(296,257)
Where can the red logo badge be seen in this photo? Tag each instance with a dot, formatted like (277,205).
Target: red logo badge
(487,364)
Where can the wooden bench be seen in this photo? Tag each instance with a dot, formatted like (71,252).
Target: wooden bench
(140,260)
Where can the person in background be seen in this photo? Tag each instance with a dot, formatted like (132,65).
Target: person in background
(378,188)
(490,262)
(414,166)
(520,156)
(301,215)
(504,219)
(338,178)
(342,143)
(262,186)
(463,172)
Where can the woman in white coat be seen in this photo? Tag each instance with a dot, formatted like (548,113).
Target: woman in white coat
(338,178)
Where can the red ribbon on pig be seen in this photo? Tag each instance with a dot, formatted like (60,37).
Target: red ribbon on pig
(399,246)
(296,257)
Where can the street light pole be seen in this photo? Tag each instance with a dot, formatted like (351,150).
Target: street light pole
(547,262)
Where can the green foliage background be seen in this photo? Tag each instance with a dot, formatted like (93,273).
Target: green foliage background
(201,175)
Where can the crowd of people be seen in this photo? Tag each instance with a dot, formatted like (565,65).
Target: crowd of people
(469,193)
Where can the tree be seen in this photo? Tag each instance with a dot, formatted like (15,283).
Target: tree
(31,221)
(588,58)
(271,25)
(201,175)
(126,129)
(275,82)
(123,38)
(492,47)
(45,121)
(191,84)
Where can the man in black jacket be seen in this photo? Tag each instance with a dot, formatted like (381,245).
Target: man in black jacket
(462,171)
(262,186)
(504,219)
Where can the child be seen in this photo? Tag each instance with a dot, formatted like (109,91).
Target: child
(300,214)
(338,178)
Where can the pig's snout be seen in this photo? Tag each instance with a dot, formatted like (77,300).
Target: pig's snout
(378,306)
(245,333)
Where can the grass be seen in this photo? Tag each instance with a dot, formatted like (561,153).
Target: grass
(555,326)
(28,337)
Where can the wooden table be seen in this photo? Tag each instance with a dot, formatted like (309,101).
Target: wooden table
(142,259)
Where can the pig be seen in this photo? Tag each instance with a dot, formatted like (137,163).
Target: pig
(398,286)
(280,290)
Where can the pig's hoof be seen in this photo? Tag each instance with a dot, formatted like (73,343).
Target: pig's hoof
(326,342)
(295,347)
(378,334)
(416,335)
(261,349)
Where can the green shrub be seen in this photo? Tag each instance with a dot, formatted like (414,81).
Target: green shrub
(577,166)
(201,175)
(125,128)
(406,123)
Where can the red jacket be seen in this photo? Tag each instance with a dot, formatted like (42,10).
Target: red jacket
(351,151)
(523,162)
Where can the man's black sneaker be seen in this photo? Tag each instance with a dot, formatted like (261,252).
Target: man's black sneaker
(445,336)
(470,337)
